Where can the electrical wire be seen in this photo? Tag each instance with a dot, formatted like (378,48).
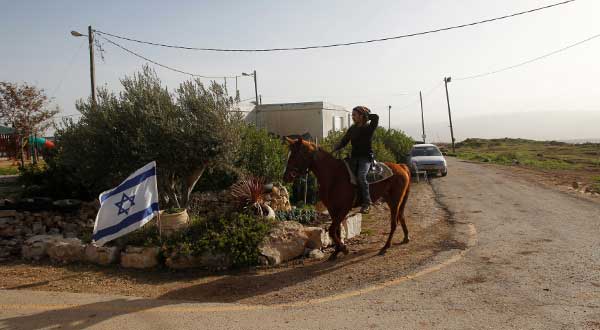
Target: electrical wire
(338,44)
(66,72)
(165,66)
(528,61)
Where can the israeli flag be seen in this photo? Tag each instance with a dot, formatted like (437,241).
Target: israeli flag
(128,206)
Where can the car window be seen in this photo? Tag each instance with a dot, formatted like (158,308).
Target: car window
(425,151)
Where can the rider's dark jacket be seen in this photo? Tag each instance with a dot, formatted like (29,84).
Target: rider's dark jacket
(360,138)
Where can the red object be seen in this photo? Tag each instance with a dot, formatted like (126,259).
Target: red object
(49,144)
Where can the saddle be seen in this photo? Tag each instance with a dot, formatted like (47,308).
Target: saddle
(377,172)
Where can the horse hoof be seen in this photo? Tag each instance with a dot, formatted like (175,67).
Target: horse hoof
(345,250)
(382,252)
(405,240)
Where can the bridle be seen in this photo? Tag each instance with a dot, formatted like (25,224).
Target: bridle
(295,171)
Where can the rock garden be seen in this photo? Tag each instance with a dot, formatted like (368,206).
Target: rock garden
(228,229)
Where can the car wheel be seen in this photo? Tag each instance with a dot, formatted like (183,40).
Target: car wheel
(445,173)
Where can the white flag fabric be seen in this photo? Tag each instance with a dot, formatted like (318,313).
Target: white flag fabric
(128,206)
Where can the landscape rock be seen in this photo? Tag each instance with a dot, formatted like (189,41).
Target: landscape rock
(318,237)
(351,226)
(215,261)
(279,198)
(178,261)
(66,250)
(316,254)
(286,241)
(102,255)
(35,248)
(140,257)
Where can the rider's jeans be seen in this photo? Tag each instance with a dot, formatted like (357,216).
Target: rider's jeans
(361,166)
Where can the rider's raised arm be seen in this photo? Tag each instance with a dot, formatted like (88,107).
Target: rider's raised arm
(343,142)
(374,121)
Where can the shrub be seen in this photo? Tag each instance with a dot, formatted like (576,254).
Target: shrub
(238,236)
(261,155)
(396,142)
(390,146)
(305,216)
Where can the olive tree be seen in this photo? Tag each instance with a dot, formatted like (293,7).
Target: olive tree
(186,132)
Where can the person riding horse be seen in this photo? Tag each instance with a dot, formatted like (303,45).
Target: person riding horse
(360,135)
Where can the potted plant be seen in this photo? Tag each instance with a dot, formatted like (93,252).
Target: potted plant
(172,220)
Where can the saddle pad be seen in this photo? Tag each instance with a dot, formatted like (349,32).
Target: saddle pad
(378,172)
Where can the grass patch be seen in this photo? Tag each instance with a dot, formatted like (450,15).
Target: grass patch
(10,170)
(367,232)
(544,155)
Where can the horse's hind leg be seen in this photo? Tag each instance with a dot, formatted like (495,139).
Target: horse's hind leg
(393,223)
(401,214)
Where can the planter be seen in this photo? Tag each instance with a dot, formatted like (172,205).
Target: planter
(172,222)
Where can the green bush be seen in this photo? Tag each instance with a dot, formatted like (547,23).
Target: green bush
(238,236)
(305,216)
(388,146)
(396,142)
(261,154)
(51,180)
(216,179)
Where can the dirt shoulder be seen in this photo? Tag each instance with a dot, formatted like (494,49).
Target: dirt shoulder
(301,279)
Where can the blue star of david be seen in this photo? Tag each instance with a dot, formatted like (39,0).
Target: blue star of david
(125,199)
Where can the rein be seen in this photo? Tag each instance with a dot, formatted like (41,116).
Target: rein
(295,171)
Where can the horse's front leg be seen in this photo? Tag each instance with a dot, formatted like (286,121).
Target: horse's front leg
(335,232)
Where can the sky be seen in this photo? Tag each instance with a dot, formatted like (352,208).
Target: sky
(555,98)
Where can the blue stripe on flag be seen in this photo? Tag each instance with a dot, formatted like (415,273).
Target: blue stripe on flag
(136,217)
(129,183)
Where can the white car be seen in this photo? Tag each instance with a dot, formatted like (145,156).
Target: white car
(427,157)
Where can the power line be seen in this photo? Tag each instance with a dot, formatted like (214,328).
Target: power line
(162,65)
(338,44)
(528,61)
(66,72)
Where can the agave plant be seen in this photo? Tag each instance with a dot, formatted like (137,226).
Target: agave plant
(249,192)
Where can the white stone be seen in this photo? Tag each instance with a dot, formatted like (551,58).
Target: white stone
(102,255)
(270,212)
(316,254)
(352,226)
(66,250)
(317,237)
(140,257)
(36,247)
(286,241)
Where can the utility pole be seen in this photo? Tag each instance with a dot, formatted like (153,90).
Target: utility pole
(255,95)
(237,92)
(446,81)
(255,88)
(422,119)
(90,36)
(92,70)
(389,116)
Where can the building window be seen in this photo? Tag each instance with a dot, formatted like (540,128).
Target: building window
(338,123)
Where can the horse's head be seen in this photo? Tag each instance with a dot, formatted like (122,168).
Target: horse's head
(299,159)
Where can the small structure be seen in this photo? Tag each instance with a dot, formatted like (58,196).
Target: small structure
(8,142)
(315,118)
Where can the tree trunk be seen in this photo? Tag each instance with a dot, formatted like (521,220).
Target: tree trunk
(189,184)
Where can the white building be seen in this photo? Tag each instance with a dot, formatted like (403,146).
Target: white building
(315,118)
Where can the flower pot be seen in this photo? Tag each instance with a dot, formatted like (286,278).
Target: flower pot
(172,222)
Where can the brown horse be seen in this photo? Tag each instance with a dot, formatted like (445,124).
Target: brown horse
(338,194)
